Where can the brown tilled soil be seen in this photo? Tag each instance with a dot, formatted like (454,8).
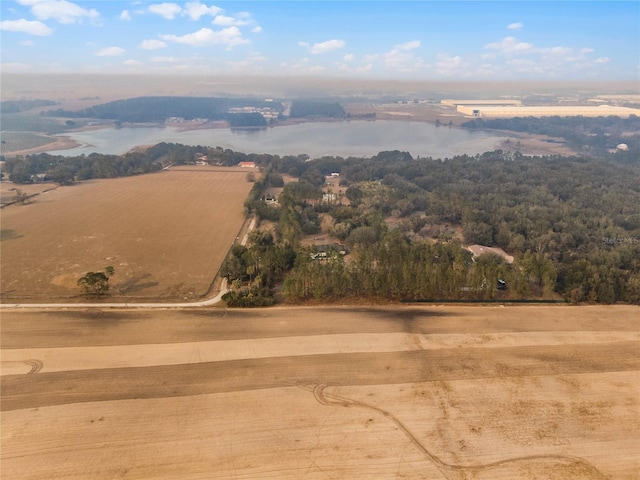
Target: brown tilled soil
(166,235)
(435,392)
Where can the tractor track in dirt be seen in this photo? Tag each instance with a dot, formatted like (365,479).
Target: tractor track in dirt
(452,471)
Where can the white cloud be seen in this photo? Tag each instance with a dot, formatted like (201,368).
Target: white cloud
(195,10)
(32,27)
(350,68)
(132,63)
(408,45)
(515,26)
(486,70)
(230,37)
(59,10)
(556,51)
(519,62)
(602,60)
(152,44)
(110,52)
(324,47)
(448,66)
(251,64)
(257,29)
(402,59)
(166,59)
(350,57)
(166,10)
(224,21)
(27,43)
(240,19)
(510,46)
(125,15)
(302,67)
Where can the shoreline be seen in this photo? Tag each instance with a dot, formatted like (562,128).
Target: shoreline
(527,144)
(63,142)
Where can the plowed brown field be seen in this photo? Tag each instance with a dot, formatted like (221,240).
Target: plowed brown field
(166,234)
(420,392)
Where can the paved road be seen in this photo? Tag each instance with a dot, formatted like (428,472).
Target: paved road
(201,303)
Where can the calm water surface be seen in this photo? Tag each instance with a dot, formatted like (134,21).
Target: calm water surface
(350,138)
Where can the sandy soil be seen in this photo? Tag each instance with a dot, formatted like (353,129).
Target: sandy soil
(57,143)
(429,392)
(166,234)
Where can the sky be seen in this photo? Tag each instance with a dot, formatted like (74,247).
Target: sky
(414,40)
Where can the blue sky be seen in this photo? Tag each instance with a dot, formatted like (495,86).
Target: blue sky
(473,40)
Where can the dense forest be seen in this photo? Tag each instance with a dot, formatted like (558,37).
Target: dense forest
(67,170)
(158,109)
(572,224)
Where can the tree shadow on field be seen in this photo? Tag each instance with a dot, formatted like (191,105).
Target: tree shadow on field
(7,234)
(398,313)
(102,317)
(132,285)
(410,320)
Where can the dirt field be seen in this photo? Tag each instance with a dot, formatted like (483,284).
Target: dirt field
(428,392)
(166,234)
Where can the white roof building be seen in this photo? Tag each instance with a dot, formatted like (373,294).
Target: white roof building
(546,111)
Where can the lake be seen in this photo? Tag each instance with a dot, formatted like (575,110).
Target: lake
(348,138)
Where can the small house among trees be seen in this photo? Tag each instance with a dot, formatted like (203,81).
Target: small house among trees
(479,250)
(323,252)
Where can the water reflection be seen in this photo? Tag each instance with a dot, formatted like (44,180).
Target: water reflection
(349,138)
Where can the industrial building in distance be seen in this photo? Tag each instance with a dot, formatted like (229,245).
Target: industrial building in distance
(514,108)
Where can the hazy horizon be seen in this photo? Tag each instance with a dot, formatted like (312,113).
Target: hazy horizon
(112,86)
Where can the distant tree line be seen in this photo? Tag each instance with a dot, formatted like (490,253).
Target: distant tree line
(316,108)
(158,109)
(16,106)
(591,135)
(67,170)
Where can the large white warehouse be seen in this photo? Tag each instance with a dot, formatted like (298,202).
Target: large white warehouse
(496,102)
(546,111)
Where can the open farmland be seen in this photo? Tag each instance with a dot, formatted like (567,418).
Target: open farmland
(166,235)
(419,392)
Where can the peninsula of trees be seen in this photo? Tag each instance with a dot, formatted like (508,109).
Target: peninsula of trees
(239,112)
(159,109)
